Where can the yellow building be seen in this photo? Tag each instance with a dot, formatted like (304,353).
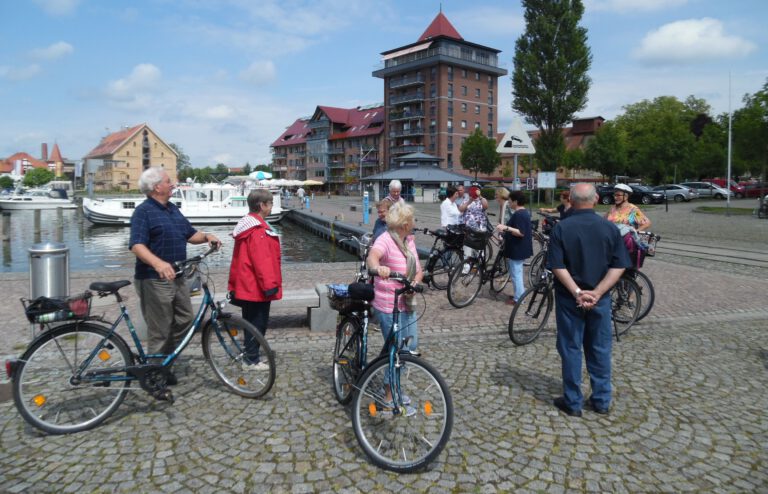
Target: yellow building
(122,156)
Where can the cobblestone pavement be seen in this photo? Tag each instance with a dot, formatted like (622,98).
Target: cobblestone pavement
(688,414)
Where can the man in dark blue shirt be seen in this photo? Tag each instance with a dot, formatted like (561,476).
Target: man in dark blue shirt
(587,256)
(159,237)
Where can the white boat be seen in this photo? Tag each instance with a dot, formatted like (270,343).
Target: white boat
(37,199)
(209,204)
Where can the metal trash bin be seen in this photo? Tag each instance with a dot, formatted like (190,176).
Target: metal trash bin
(48,270)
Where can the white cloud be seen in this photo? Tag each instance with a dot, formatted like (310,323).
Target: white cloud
(630,6)
(219,112)
(19,73)
(142,80)
(54,51)
(259,73)
(225,158)
(58,7)
(481,22)
(691,41)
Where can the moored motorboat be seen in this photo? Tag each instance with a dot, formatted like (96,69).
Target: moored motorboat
(201,205)
(37,199)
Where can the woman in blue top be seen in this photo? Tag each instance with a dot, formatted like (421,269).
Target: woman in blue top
(518,242)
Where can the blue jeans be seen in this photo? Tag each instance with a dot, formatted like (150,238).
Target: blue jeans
(590,329)
(408,327)
(516,275)
(256,313)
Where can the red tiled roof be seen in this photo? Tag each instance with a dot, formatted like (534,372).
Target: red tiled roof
(441,26)
(295,134)
(112,142)
(6,165)
(360,122)
(56,155)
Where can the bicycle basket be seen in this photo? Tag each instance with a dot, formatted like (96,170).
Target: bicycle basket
(454,236)
(51,309)
(475,239)
(341,300)
(649,240)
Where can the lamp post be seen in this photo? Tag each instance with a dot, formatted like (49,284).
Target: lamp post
(362,158)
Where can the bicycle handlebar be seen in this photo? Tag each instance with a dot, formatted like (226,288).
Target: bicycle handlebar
(407,285)
(179,266)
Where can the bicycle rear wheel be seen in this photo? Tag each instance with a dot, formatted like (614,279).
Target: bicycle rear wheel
(531,314)
(625,305)
(647,294)
(444,264)
(52,398)
(412,439)
(465,283)
(537,268)
(346,359)
(224,347)
(500,277)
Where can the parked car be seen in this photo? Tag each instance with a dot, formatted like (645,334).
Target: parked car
(755,189)
(677,192)
(706,189)
(737,189)
(641,194)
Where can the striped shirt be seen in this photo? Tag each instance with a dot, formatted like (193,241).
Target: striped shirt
(391,257)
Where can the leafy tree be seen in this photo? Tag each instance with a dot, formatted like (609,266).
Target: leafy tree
(574,159)
(247,169)
(750,133)
(550,81)
(708,156)
(38,176)
(478,154)
(6,182)
(607,151)
(262,168)
(183,164)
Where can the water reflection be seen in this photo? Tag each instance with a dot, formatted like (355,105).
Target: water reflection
(98,247)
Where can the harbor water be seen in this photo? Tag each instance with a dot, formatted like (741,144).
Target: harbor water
(105,247)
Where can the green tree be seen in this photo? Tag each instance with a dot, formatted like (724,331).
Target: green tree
(750,133)
(708,156)
(574,159)
(6,182)
(550,81)
(183,163)
(607,151)
(247,169)
(38,176)
(478,154)
(262,168)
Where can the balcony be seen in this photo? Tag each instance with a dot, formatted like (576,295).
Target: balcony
(335,151)
(406,81)
(414,131)
(335,165)
(405,115)
(407,98)
(411,148)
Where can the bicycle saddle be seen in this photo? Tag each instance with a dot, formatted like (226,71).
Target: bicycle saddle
(108,286)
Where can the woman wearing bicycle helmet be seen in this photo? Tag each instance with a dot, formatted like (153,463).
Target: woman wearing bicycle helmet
(624,212)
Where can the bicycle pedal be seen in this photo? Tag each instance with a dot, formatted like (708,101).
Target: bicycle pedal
(164,395)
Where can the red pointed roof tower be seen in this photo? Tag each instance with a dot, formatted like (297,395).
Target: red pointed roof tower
(437,91)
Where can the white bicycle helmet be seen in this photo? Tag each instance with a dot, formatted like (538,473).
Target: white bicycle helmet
(623,188)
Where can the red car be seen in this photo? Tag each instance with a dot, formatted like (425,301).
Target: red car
(737,189)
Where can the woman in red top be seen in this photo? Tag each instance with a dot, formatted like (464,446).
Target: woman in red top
(255,278)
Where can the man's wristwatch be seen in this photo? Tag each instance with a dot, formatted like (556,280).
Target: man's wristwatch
(578,291)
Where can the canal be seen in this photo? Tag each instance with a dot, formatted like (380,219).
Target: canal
(105,247)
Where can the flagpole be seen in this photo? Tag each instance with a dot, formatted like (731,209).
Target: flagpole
(728,176)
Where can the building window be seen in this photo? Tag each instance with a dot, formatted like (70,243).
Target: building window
(463,124)
(463,90)
(433,73)
(450,73)
(450,160)
(477,125)
(477,109)
(450,126)
(450,143)
(477,76)
(450,108)
(127,153)
(490,97)
(463,108)
(464,73)
(432,109)
(432,147)
(477,93)
(490,82)
(432,90)
(450,90)
(490,116)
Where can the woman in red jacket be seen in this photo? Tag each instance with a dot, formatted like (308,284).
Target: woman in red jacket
(255,278)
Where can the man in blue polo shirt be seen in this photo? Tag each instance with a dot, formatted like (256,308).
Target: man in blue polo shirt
(587,256)
(159,237)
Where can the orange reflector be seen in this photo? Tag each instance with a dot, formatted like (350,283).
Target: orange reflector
(372,409)
(233,332)
(39,400)
(241,381)
(428,408)
(343,361)
(104,355)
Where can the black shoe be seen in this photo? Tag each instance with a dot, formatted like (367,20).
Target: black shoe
(171,380)
(601,411)
(560,404)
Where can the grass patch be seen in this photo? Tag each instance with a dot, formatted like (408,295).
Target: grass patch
(723,210)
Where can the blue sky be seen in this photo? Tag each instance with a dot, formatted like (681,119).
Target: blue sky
(223,78)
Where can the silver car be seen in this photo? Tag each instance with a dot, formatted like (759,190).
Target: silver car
(677,192)
(706,189)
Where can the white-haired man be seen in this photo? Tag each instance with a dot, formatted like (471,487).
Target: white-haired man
(395,188)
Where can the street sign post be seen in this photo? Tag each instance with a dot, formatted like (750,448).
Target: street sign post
(516,141)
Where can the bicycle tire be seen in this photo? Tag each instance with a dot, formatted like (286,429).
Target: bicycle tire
(346,359)
(464,286)
(531,314)
(625,305)
(224,349)
(44,391)
(647,294)
(500,273)
(446,261)
(403,443)
(537,267)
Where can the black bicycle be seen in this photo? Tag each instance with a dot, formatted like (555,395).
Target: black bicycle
(538,262)
(467,279)
(445,255)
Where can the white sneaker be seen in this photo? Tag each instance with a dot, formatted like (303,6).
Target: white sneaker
(465,268)
(261,366)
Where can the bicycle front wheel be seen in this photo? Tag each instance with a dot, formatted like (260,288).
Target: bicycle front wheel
(465,284)
(647,294)
(346,359)
(49,392)
(500,277)
(625,305)
(410,440)
(239,355)
(537,268)
(531,314)
(445,263)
